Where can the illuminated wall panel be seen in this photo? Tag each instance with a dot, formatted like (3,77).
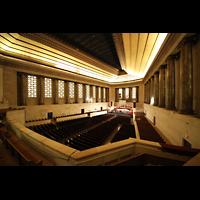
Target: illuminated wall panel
(32,86)
(71,89)
(60,89)
(48,87)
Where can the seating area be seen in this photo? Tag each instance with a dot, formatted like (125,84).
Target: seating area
(64,129)
(125,132)
(25,157)
(85,133)
(92,138)
(122,119)
(146,130)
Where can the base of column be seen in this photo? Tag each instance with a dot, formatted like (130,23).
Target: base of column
(170,108)
(161,106)
(186,112)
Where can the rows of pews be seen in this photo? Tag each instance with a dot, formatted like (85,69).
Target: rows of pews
(92,138)
(64,129)
(85,133)
(67,128)
(146,130)
(99,135)
(125,119)
(125,132)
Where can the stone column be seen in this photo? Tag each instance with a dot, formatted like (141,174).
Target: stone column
(123,93)
(91,93)
(107,94)
(161,92)
(170,78)
(55,91)
(101,94)
(156,88)
(130,94)
(76,96)
(97,93)
(186,77)
(41,98)
(116,94)
(84,93)
(67,91)
(23,90)
(137,93)
(145,92)
(152,91)
(149,89)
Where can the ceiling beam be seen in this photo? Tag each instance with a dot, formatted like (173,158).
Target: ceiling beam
(118,40)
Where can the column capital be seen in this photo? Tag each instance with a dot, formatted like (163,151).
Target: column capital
(171,57)
(157,72)
(187,39)
(162,66)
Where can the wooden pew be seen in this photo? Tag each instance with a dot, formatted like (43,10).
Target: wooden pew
(23,155)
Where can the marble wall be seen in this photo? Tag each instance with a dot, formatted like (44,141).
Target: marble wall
(175,127)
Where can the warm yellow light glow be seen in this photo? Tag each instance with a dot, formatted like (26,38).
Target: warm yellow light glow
(157,46)
(20,45)
(6,48)
(152,101)
(140,50)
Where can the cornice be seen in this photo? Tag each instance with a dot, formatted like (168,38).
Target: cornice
(187,39)
(45,70)
(171,42)
(53,42)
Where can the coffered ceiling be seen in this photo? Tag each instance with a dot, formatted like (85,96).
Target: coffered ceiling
(101,56)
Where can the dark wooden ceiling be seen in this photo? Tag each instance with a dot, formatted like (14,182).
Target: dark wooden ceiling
(98,45)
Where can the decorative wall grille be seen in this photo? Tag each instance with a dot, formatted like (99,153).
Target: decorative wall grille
(94,92)
(127,93)
(61,89)
(32,86)
(71,89)
(48,87)
(134,92)
(80,90)
(87,92)
(99,92)
(120,93)
(104,93)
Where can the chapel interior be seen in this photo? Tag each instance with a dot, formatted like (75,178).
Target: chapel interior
(99,99)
